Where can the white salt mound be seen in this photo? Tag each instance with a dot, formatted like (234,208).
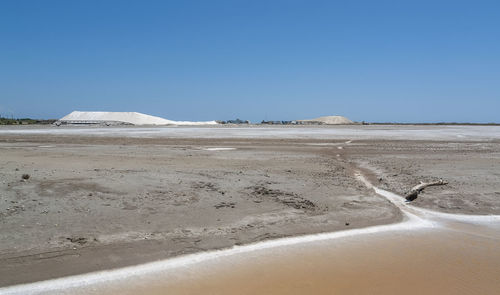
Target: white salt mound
(123,117)
(331,120)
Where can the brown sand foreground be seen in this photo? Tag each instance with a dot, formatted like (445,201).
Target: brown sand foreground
(101,202)
(420,262)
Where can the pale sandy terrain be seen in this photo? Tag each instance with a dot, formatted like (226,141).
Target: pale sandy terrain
(100,198)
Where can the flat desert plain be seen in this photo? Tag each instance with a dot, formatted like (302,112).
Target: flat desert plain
(104,198)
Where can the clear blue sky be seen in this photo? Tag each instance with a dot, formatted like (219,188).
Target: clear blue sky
(406,61)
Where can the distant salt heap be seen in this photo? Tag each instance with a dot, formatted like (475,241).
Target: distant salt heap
(328,120)
(121,118)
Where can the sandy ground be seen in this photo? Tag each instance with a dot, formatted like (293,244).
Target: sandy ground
(97,201)
(472,170)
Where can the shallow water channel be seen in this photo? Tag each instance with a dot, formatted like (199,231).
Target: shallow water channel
(427,253)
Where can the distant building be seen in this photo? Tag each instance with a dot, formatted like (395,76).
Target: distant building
(278,122)
(327,120)
(237,121)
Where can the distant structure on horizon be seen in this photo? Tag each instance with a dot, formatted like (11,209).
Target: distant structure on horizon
(237,121)
(327,120)
(120,118)
(134,118)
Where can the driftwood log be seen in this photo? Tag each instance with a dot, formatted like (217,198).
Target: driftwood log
(413,194)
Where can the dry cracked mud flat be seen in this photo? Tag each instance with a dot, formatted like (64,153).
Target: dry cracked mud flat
(95,202)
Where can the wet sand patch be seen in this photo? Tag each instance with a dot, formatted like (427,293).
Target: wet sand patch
(419,262)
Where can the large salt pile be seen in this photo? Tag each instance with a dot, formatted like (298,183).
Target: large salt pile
(329,120)
(117,118)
